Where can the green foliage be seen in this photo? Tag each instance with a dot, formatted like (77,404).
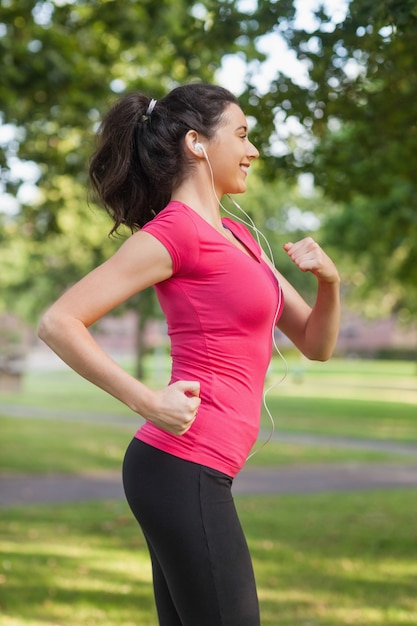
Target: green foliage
(359,107)
(284,211)
(62,65)
(40,260)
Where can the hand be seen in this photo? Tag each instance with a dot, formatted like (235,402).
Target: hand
(175,407)
(308,256)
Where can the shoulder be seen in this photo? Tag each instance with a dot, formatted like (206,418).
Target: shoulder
(175,228)
(175,216)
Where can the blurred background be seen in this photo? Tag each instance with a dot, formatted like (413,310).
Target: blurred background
(330,92)
(329,89)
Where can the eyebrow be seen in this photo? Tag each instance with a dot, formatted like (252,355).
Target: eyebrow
(243,127)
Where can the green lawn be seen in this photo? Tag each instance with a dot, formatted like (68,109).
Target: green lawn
(324,560)
(345,417)
(320,560)
(77,427)
(39,446)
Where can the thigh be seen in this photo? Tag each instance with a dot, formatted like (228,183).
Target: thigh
(188,516)
(167,613)
(228,552)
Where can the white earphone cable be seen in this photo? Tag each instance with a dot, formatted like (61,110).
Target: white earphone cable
(250,223)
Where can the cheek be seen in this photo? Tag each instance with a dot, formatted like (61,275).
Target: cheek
(228,161)
(222,166)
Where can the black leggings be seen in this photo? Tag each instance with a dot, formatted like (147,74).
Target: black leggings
(202,571)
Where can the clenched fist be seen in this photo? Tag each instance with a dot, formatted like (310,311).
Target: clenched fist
(308,256)
(175,407)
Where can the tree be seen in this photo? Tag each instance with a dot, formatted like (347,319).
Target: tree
(64,62)
(62,65)
(360,108)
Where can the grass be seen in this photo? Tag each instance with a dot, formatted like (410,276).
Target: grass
(320,560)
(335,559)
(354,398)
(367,388)
(40,446)
(37,445)
(345,417)
(63,390)
(77,427)
(394,381)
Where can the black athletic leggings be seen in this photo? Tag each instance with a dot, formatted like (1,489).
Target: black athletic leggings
(202,570)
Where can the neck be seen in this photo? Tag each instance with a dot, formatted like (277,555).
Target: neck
(202,200)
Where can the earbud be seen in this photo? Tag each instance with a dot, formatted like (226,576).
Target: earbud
(199,147)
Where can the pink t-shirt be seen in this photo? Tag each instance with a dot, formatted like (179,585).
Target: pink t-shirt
(220,305)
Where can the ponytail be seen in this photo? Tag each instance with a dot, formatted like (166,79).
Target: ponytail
(140,158)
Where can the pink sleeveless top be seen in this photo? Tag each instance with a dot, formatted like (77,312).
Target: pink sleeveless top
(220,305)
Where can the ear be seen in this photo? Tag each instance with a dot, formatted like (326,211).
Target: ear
(193,145)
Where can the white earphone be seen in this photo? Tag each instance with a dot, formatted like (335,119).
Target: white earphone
(200,148)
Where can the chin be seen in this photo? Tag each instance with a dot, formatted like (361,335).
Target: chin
(239,189)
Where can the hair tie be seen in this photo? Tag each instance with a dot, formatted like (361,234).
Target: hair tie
(150,107)
(149,110)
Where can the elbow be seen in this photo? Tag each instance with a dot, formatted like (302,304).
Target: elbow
(322,358)
(323,354)
(56,328)
(46,326)
(43,327)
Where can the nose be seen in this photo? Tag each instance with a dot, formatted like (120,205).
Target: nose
(253,151)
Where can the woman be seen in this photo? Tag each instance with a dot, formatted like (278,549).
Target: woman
(160,168)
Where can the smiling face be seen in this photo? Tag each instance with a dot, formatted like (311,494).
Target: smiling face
(230,152)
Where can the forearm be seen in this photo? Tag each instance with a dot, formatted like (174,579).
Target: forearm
(322,325)
(73,343)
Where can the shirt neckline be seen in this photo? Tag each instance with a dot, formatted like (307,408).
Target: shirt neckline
(251,251)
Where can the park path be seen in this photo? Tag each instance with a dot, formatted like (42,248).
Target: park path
(300,479)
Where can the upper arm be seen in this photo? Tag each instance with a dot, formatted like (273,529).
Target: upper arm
(295,314)
(140,262)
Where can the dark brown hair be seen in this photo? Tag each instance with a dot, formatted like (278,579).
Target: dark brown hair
(140,159)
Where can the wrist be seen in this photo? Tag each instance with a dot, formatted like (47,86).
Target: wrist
(141,399)
(333,280)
